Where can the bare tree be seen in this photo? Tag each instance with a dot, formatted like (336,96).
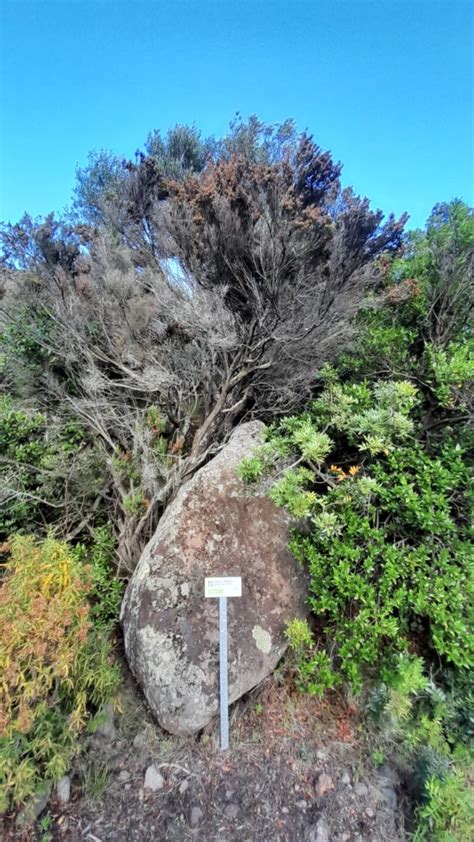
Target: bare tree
(271,262)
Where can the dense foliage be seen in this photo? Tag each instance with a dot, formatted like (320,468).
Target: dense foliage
(55,665)
(381,482)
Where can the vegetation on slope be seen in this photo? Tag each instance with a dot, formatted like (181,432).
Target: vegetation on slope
(205,283)
(381,482)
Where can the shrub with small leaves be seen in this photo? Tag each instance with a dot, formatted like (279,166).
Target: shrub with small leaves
(55,667)
(251,469)
(105,588)
(315,674)
(447,811)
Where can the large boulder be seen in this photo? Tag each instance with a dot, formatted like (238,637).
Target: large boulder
(215,526)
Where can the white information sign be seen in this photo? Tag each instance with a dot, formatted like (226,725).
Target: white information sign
(223,586)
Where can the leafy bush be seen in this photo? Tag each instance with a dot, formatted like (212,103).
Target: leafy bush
(315,673)
(388,549)
(386,520)
(414,719)
(56,667)
(251,469)
(447,812)
(21,444)
(51,472)
(105,588)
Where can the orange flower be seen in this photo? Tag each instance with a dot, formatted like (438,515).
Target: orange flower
(354,469)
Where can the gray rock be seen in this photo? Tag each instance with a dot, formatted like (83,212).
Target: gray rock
(63,789)
(140,740)
(216,525)
(285,810)
(319,833)
(196,815)
(231,811)
(183,787)
(302,805)
(106,729)
(369,812)
(389,775)
(325,784)
(388,780)
(361,789)
(123,776)
(34,807)
(346,779)
(390,796)
(154,780)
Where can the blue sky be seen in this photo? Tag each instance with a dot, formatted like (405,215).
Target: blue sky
(386,85)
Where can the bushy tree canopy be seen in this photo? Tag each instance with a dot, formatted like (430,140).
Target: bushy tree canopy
(204,282)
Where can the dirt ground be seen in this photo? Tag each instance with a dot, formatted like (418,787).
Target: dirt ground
(298,769)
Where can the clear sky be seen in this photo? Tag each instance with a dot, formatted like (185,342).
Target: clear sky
(386,85)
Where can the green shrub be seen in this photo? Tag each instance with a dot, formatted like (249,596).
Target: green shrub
(51,473)
(105,588)
(388,547)
(251,469)
(21,443)
(315,673)
(447,811)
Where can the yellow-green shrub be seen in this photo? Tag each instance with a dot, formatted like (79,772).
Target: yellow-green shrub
(55,668)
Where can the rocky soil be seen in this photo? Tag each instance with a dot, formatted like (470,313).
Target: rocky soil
(298,769)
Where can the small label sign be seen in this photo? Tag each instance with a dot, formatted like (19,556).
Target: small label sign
(223,586)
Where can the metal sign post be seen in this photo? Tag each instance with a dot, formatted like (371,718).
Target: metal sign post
(223,682)
(222,588)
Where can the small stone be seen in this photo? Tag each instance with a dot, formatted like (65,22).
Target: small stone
(319,833)
(322,754)
(123,776)
(302,804)
(140,740)
(285,810)
(229,793)
(361,789)
(325,783)
(128,786)
(345,837)
(389,775)
(183,787)
(390,796)
(231,811)
(196,815)
(34,807)
(63,789)
(369,812)
(154,780)
(346,779)
(106,729)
